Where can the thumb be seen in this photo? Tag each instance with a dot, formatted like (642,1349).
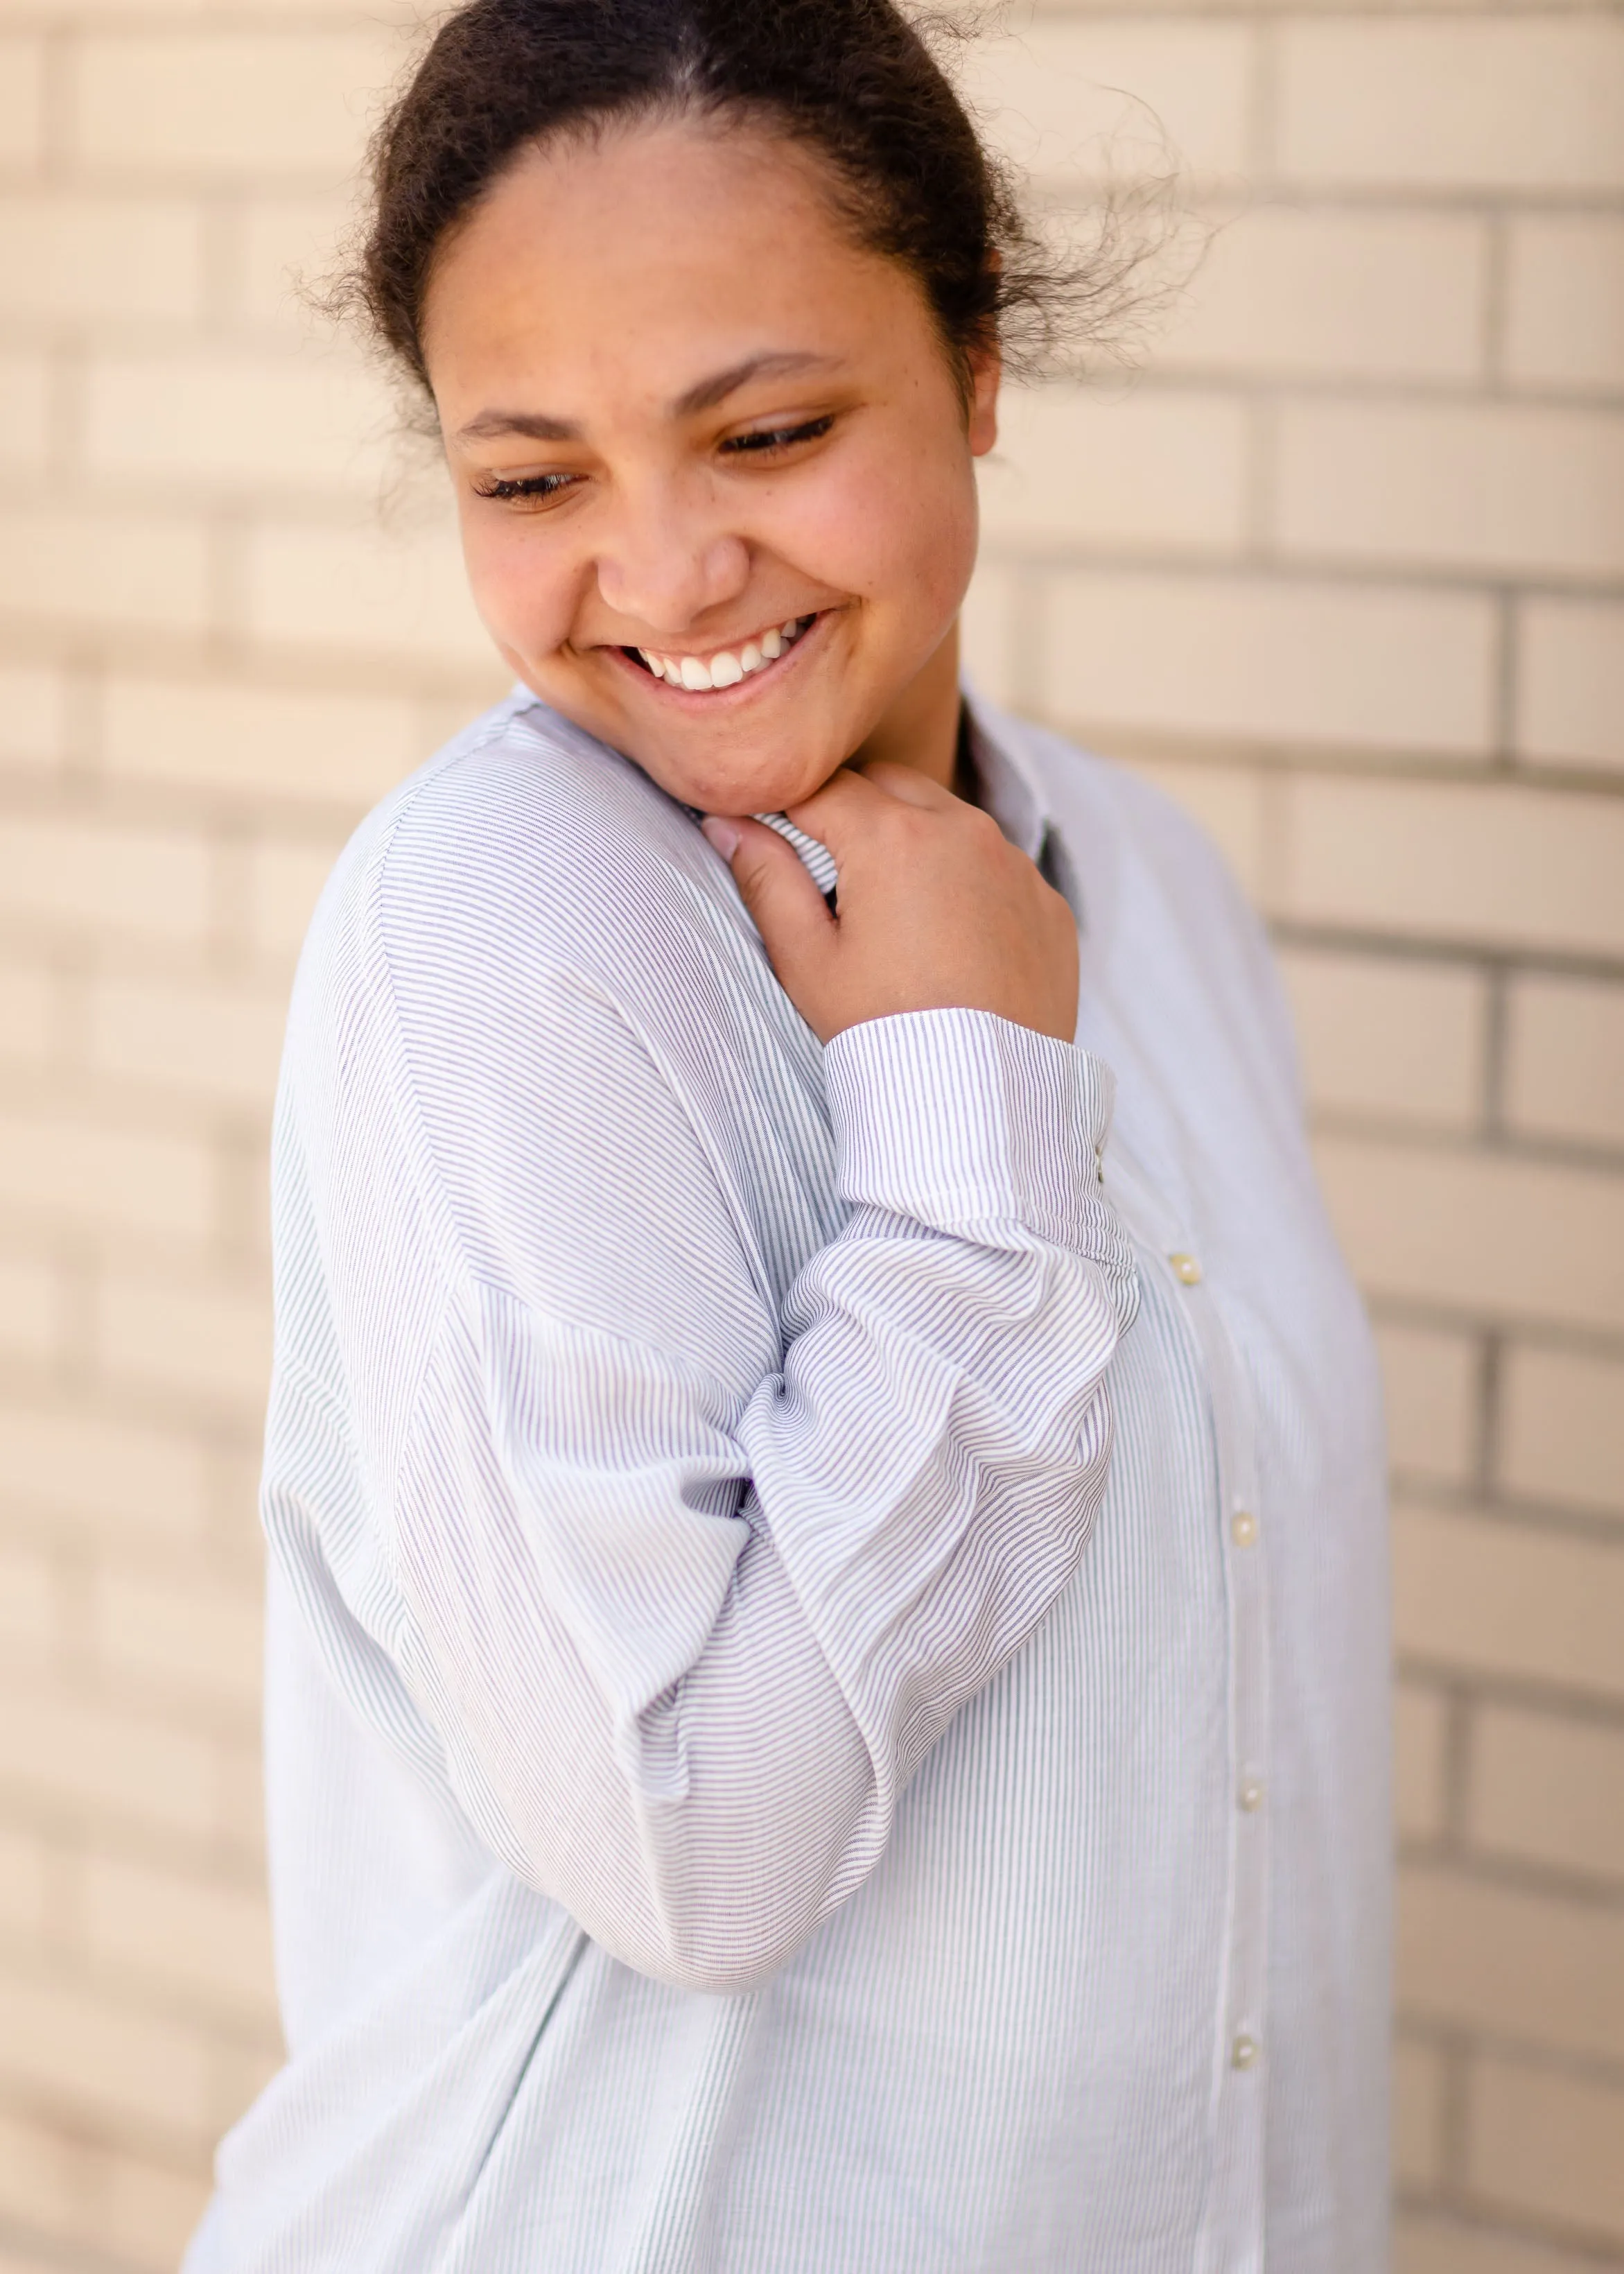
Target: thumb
(790,913)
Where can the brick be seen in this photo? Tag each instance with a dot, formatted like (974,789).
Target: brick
(203,1342)
(1227,802)
(85,877)
(1478,1955)
(125,1476)
(22,100)
(34,1308)
(1565,302)
(1328,295)
(1499,1598)
(88,1173)
(284,882)
(38,2171)
(1420,1735)
(1466,103)
(24,1888)
(399,592)
(275,105)
(1255,660)
(289,247)
(210,1939)
(258,741)
(986,632)
(1394,1041)
(1513,1238)
(19,2259)
(110,2061)
(1417,2112)
(99,259)
(33,716)
(253,423)
(1441,2245)
(1079,98)
(178,1630)
(89,566)
(149,2210)
(24,412)
(1519,867)
(242,2074)
(1565,1072)
(1548,1790)
(242,1798)
(1496,486)
(79,2190)
(219,1041)
(105,1761)
(1431,1388)
(1085,466)
(29,1619)
(29,1012)
(1546,2145)
(1561,1427)
(1570,683)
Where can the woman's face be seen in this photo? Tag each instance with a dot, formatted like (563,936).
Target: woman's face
(714,473)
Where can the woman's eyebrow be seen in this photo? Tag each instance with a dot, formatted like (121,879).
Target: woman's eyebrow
(539,427)
(720,385)
(534,426)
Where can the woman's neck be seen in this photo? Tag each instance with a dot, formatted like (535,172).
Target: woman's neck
(921,726)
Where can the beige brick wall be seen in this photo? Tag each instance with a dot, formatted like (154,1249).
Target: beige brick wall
(1343,570)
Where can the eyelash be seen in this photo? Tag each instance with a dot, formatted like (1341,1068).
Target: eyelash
(776,438)
(543,485)
(759,445)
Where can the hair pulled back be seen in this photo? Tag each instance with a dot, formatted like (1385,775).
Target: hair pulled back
(850,80)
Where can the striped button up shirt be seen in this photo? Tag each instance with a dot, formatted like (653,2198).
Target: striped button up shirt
(828,1651)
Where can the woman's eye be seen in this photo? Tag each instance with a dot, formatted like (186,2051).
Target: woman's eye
(764,440)
(505,487)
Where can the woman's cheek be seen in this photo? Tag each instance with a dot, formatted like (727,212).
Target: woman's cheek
(885,531)
(521,589)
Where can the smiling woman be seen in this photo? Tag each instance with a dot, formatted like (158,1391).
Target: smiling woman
(827,1637)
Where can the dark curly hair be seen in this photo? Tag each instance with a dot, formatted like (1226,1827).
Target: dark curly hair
(852,81)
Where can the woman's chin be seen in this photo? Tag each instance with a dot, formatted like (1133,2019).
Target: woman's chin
(737,790)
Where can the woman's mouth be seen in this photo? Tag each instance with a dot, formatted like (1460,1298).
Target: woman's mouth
(726,666)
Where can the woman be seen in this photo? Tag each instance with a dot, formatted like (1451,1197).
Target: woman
(827,1638)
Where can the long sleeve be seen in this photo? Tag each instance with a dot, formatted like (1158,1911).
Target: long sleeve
(686,1635)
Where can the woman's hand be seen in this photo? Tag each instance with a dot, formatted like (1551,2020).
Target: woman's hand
(937,910)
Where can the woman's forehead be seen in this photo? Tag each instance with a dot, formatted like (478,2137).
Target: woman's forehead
(670,253)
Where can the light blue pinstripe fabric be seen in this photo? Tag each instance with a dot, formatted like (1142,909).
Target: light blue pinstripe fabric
(763,1667)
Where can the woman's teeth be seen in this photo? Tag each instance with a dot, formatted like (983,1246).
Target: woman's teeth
(727,669)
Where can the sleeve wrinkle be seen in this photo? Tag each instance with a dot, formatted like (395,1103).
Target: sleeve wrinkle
(691,1725)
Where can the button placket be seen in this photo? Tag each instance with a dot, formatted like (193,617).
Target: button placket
(1232,2242)
(1232,2236)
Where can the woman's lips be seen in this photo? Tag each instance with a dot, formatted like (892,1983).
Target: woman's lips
(721,669)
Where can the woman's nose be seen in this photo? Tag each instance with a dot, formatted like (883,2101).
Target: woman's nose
(665,565)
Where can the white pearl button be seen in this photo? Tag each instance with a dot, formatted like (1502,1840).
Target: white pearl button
(1243,1527)
(1243,2052)
(1251,1795)
(1187,1270)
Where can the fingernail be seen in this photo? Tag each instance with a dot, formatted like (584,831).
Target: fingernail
(722,835)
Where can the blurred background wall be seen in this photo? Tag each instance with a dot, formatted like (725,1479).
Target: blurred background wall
(1343,570)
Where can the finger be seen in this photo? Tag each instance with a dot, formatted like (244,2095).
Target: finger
(840,813)
(909,785)
(790,913)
